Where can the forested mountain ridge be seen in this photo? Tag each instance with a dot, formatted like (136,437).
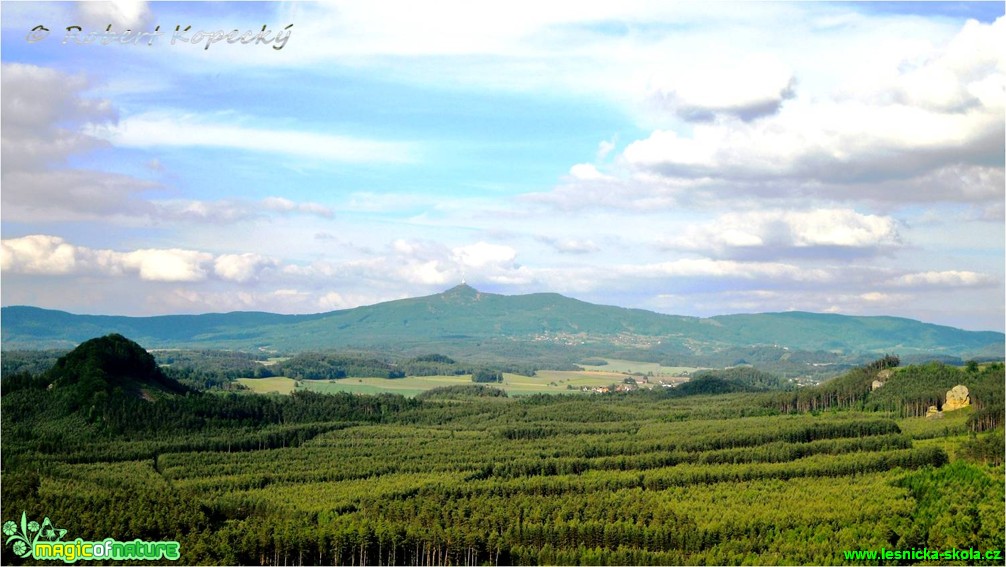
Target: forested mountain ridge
(464,316)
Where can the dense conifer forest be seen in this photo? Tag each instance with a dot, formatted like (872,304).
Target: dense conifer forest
(733,472)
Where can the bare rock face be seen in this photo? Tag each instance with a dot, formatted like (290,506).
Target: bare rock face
(957,397)
(934,413)
(882,378)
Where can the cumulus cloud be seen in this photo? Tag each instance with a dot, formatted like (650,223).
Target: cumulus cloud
(967,74)
(38,254)
(43,111)
(425,264)
(845,142)
(779,233)
(588,172)
(923,125)
(241,267)
(41,254)
(911,128)
(748,89)
(170,265)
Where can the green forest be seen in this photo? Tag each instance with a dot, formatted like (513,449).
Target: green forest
(735,469)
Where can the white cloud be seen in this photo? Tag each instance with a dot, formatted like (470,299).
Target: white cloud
(241,267)
(906,129)
(483,254)
(569,245)
(51,255)
(121,14)
(604,148)
(171,265)
(970,72)
(38,254)
(748,89)
(705,267)
(43,111)
(284,205)
(943,279)
(824,142)
(776,233)
(231,210)
(913,117)
(179,129)
(45,114)
(588,172)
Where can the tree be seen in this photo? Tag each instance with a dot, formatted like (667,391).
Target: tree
(485,375)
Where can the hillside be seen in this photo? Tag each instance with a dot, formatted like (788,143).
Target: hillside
(647,477)
(112,362)
(523,325)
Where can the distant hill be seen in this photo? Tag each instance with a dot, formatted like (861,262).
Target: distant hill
(465,318)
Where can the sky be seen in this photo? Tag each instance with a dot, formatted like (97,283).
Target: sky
(694,158)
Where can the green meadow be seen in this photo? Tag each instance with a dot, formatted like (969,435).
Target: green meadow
(543,382)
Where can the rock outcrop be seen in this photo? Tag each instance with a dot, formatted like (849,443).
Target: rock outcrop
(882,378)
(957,397)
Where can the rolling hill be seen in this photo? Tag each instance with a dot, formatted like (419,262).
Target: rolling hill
(465,317)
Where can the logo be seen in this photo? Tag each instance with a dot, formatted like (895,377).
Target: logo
(44,542)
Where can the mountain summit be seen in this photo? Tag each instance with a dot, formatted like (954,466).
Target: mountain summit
(461,292)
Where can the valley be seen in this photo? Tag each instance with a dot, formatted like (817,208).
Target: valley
(727,468)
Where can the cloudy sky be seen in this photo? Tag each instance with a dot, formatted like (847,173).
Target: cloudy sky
(688,158)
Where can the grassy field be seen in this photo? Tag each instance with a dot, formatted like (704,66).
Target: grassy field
(513,384)
(619,365)
(409,386)
(546,382)
(268,385)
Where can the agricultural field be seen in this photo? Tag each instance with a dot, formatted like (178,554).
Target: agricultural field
(276,385)
(631,366)
(544,382)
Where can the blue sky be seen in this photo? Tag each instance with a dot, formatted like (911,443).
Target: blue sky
(688,158)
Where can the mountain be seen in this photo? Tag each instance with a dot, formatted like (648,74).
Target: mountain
(465,317)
